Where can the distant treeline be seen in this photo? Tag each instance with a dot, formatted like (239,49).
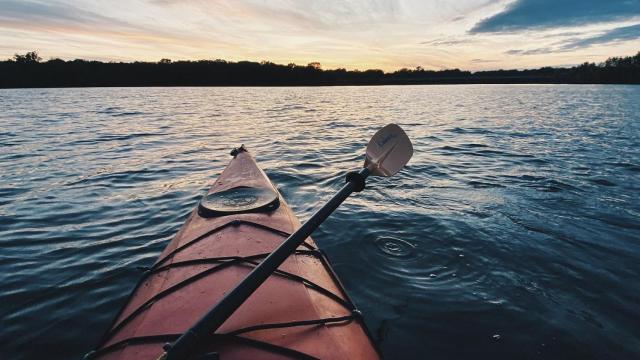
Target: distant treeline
(29,70)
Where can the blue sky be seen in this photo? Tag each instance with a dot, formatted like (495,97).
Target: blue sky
(434,34)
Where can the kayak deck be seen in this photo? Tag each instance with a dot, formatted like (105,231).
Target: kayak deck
(301,311)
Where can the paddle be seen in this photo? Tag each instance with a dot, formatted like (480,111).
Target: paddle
(388,151)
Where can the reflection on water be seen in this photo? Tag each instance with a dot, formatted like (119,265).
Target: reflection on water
(513,232)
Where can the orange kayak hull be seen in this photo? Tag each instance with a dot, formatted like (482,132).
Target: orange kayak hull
(300,312)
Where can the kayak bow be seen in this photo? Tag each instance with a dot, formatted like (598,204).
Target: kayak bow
(300,311)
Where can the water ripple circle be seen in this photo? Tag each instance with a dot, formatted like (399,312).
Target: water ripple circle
(395,247)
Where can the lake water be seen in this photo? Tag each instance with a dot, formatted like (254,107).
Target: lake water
(513,233)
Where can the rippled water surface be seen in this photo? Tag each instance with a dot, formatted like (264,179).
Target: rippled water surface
(513,233)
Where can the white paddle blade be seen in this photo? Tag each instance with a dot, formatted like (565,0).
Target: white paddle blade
(388,151)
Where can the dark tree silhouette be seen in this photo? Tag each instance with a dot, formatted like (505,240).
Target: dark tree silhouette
(29,71)
(28,58)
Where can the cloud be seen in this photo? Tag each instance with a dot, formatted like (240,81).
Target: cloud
(535,14)
(53,17)
(482,61)
(563,34)
(619,34)
(447,41)
(536,51)
(36,13)
(325,15)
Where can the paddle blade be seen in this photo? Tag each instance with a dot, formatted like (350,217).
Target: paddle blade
(388,151)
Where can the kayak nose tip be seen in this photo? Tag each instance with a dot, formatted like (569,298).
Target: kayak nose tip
(235,151)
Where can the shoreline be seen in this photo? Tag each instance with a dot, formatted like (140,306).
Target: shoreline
(28,71)
(303,86)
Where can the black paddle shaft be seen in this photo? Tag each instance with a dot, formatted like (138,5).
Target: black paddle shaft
(209,323)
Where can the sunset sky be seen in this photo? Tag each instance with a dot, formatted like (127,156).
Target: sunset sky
(384,34)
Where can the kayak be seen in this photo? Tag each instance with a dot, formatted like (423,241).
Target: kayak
(300,312)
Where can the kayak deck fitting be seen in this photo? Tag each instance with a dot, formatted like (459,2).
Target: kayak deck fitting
(301,312)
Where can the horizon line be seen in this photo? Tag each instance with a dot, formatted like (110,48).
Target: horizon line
(310,64)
